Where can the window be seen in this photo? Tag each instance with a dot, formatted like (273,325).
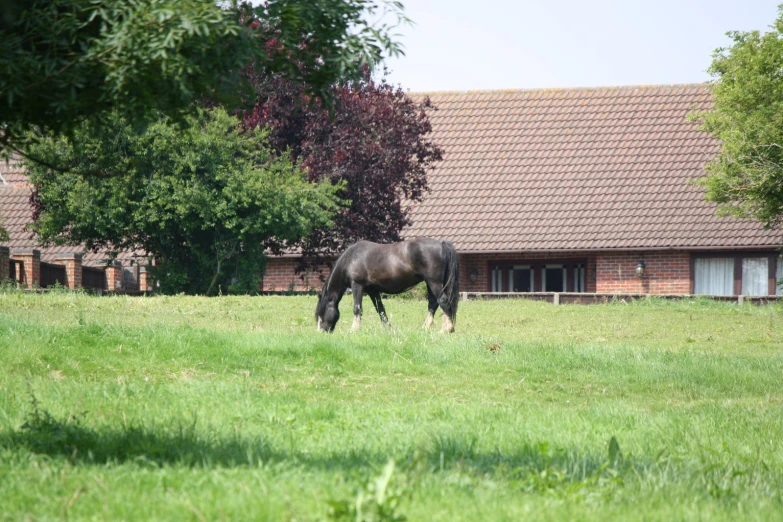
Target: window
(521,278)
(532,276)
(746,273)
(497,279)
(554,278)
(714,276)
(779,275)
(579,278)
(755,275)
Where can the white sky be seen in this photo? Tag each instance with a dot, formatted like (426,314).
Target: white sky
(520,44)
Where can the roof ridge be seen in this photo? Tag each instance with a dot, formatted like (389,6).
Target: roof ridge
(560,89)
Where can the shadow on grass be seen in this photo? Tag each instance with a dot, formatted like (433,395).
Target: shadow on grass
(535,466)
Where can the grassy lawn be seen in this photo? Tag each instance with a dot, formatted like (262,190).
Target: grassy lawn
(234,408)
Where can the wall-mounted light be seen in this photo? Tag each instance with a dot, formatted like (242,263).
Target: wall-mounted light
(640,268)
(473,275)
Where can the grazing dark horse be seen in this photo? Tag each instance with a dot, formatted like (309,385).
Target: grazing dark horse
(372,269)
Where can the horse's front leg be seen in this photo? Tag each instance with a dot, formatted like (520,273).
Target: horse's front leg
(376,301)
(357,291)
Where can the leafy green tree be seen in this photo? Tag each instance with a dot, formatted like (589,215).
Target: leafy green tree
(746,178)
(201,198)
(64,61)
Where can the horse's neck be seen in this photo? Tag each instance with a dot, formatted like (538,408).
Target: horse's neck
(335,289)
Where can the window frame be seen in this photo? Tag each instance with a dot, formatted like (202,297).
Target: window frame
(537,266)
(738,256)
(517,266)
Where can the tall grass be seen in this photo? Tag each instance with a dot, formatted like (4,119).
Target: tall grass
(235,408)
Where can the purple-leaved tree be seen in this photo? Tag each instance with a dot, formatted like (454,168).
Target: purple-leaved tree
(374,139)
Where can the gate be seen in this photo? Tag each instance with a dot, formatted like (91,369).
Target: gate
(130,278)
(52,274)
(93,278)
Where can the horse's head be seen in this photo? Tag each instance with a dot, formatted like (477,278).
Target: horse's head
(326,313)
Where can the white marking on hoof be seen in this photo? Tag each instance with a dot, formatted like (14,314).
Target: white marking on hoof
(448,326)
(357,322)
(428,320)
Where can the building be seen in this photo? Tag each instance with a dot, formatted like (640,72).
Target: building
(582,190)
(23,260)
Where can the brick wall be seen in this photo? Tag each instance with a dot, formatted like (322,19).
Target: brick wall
(280,275)
(664,273)
(481,263)
(280,271)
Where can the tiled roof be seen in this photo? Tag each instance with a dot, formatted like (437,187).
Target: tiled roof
(575,169)
(16,213)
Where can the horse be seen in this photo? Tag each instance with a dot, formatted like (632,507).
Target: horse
(371,268)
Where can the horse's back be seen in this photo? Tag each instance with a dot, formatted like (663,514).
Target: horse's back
(393,267)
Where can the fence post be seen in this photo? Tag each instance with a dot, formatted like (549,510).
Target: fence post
(5,263)
(73,269)
(31,258)
(114,277)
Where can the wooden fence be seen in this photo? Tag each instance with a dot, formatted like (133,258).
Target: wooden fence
(25,269)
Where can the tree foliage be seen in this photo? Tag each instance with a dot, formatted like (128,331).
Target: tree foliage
(63,61)
(746,178)
(202,198)
(374,141)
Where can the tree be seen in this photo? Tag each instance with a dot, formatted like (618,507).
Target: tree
(64,61)
(201,198)
(746,178)
(373,141)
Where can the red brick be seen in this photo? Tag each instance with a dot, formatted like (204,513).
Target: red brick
(31,277)
(73,269)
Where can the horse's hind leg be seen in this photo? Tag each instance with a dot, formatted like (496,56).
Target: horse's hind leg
(448,324)
(357,292)
(376,300)
(432,306)
(434,295)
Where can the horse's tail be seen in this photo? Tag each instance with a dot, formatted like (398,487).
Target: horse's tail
(449,299)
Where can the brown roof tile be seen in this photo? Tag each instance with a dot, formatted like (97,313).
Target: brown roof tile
(575,169)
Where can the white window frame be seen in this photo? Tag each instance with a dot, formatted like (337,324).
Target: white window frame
(520,267)
(564,275)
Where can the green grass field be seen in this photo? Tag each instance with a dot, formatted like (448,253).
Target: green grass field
(234,408)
